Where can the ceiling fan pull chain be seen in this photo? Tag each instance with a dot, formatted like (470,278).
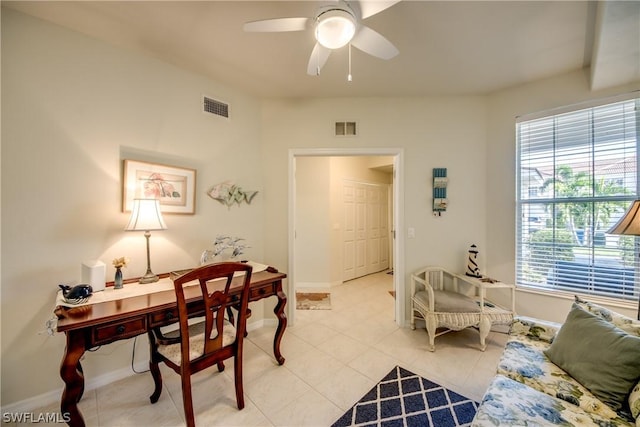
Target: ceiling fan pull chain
(349,78)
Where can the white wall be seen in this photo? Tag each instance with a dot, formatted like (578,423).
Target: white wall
(503,108)
(72,110)
(431,132)
(313,223)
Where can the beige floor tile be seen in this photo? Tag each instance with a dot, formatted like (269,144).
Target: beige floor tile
(290,345)
(50,415)
(403,344)
(310,409)
(276,389)
(372,330)
(455,356)
(345,387)
(343,348)
(126,403)
(339,321)
(314,366)
(256,362)
(314,333)
(374,364)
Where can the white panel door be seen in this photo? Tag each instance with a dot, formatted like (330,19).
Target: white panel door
(373,229)
(360,229)
(384,228)
(349,231)
(366,229)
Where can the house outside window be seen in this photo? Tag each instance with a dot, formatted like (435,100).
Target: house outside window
(576,176)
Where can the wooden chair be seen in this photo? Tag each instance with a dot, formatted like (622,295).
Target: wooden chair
(202,344)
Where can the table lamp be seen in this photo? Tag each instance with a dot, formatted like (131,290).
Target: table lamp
(146,216)
(629,225)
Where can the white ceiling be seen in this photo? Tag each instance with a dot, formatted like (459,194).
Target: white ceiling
(446,47)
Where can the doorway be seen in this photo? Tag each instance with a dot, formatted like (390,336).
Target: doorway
(395,195)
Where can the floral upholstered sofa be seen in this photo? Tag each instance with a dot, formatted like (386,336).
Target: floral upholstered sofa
(530,390)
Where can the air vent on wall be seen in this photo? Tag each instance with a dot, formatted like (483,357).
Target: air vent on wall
(213,106)
(346,129)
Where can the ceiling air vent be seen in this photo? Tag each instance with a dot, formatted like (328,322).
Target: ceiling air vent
(213,106)
(346,129)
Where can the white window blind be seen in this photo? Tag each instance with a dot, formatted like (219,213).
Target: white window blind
(577,174)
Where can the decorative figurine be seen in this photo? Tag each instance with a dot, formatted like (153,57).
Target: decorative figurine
(228,193)
(472,264)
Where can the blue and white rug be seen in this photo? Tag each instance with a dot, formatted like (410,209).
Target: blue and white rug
(403,398)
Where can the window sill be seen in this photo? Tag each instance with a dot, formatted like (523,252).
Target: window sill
(614,303)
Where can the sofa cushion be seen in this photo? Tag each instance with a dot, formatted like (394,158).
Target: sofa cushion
(510,403)
(523,360)
(634,402)
(627,324)
(534,329)
(601,356)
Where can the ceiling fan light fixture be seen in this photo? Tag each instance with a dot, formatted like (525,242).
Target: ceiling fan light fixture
(335,28)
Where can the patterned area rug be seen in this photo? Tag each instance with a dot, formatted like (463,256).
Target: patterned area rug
(403,398)
(313,301)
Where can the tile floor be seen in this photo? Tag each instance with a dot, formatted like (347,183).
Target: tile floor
(333,357)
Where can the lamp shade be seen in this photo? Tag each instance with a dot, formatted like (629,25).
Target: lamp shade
(335,28)
(629,224)
(146,216)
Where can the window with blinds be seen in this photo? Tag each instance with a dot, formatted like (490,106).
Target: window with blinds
(577,174)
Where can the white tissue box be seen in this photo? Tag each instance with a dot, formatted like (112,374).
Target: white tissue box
(93,273)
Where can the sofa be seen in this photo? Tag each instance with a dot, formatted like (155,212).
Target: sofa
(531,390)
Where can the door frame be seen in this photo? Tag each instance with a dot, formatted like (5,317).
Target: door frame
(398,218)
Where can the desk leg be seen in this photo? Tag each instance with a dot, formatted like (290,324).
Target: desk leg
(282,323)
(71,374)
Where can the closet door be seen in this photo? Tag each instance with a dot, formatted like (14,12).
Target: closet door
(373,229)
(385,249)
(349,231)
(361,233)
(366,229)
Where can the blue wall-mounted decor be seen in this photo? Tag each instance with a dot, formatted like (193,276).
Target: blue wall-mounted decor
(440,181)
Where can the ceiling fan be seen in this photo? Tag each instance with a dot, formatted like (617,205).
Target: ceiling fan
(335,25)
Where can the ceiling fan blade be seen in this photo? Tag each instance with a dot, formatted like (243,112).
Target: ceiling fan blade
(277,25)
(319,56)
(371,42)
(371,7)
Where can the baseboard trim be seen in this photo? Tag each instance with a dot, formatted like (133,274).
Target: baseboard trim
(312,285)
(53,396)
(32,403)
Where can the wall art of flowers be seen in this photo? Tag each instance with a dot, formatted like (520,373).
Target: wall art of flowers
(173,186)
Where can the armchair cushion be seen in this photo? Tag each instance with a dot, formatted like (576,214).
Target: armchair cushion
(601,356)
(448,302)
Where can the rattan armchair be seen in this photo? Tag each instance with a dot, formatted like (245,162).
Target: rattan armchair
(444,308)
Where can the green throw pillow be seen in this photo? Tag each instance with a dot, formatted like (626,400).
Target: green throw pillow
(600,356)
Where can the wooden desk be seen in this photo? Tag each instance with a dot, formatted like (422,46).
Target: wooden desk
(103,323)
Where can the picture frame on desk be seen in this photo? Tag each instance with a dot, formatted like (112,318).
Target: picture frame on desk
(173,186)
